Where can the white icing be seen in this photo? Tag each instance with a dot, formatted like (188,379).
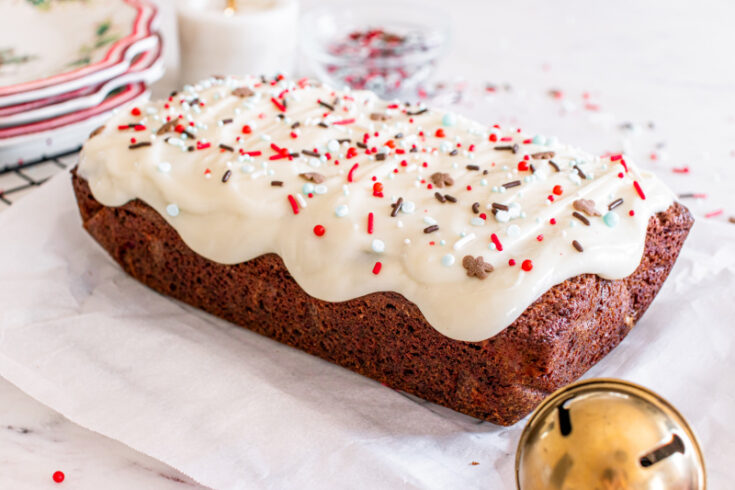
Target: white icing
(234,221)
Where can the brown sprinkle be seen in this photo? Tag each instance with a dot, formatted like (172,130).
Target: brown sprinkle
(310,153)
(417,113)
(533,169)
(380,157)
(227,121)
(513,148)
(615,204)
(323,125)
(276,183)
(243,92)
(97,131)
(579,171)
(295,125)
(473,167)
(453,153)
(731,219)
(440,179)
(324,104)
(167,127)
(140,144)
(431,229)
(581,217)
(396,207)
(315,177)
(578,246)
(360,144)
(587,206)
(439,197)
(511,184)
(543,155)
(344,140)
(554,165)
(227,176)
(376,116)
(226,147)
(475,207)
(502,207)
(476,266)
(450,198)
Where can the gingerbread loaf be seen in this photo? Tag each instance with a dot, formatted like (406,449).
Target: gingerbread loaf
(257,201)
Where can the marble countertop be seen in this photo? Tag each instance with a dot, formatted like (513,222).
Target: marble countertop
(640,61)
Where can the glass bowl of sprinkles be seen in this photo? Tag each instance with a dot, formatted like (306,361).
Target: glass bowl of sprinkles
(389,47)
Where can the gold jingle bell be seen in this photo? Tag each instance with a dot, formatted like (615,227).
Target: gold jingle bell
(607,434)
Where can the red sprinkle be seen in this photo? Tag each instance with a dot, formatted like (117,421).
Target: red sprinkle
(631,213)
(377,267)
(139,127)
(493,137)
(496,241)
(552,221)
(540,238)
(59,476)
(377,187)
(639,190)
(439,133)
(527,265)
(135,111)
(280,106)
(319,230)
(712,214)
(615,158)
(512,262)
(294,204)
(558,190)
(371,223)
(522,166)
(352,171)
(680,170)
(247,129)
(343,122)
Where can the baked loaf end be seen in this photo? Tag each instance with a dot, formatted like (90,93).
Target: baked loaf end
(383,335)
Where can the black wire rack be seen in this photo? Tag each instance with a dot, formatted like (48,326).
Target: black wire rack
(19,180)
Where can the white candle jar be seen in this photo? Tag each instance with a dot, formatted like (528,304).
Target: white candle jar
(258,38)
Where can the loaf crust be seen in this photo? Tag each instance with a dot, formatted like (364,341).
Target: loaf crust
(383,335)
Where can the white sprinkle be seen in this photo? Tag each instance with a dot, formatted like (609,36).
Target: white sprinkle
(172,210)
(408,207)
(247,168)
(320,189)
(407,241)
(345,190)
(378,246)
(341,211)
(333,146)
(301,200)
(463,241)
(429,220)
(448,260)
(164,167)
(477,221)
(513,230)
(502,216)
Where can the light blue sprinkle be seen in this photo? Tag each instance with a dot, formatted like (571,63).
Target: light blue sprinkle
(572,224)
(378,246)
(492,246)
(463,234)
(172,210)
(247,168)
(307,188)
(552,140)
(483,182)
(442,242)
(164,167)
(496,188)
(611,219)
(502,189)
(408,207)
(448,260)
(341,211)
(320,189)
(539,140)
(476,221)
(449,119)
(527,179)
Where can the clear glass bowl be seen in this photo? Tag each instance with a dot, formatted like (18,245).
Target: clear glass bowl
(389,47)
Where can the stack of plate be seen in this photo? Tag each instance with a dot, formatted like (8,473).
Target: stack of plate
(65,65)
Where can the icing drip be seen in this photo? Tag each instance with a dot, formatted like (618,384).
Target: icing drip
(358,195)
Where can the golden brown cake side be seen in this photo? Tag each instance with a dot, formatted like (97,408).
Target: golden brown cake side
(383,335)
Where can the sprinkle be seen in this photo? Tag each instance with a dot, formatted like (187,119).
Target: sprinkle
(558,190)
(692,196)
(513,148)
(476,266)
(514,183)
(343,122)
(352,171)
(375,116)
(475,207)
(370,223)
(639,190)
(542,155)
(450,198)
(164,167)
(320,189)
(459,244)
(226,121)
(324,104)
(226,147)
(319,230)
(275,183)
(513,231)
(431,229)
(527,265)
(59,476)
(449,119)
(712,214)
(616,203)
(167,127)
(473,167)
(377,267)
(172,210)
(417,113)
(140,144)
(247,129)
(581,218)
(496,242)
(226,176)
(579,171)
(396,207)
(611,219)
(380,157)
(378,246)
(680,170)
(342,210)
(554,165)
(315,177)
(448,260)
(439,197)
(578,246)
(294,204)
(502,207)
(281,107)
(587,206)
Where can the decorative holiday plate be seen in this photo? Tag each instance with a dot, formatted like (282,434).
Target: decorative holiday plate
(50,47)
(147,68)
(61,134)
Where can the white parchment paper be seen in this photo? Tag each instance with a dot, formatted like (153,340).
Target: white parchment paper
(236,410)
